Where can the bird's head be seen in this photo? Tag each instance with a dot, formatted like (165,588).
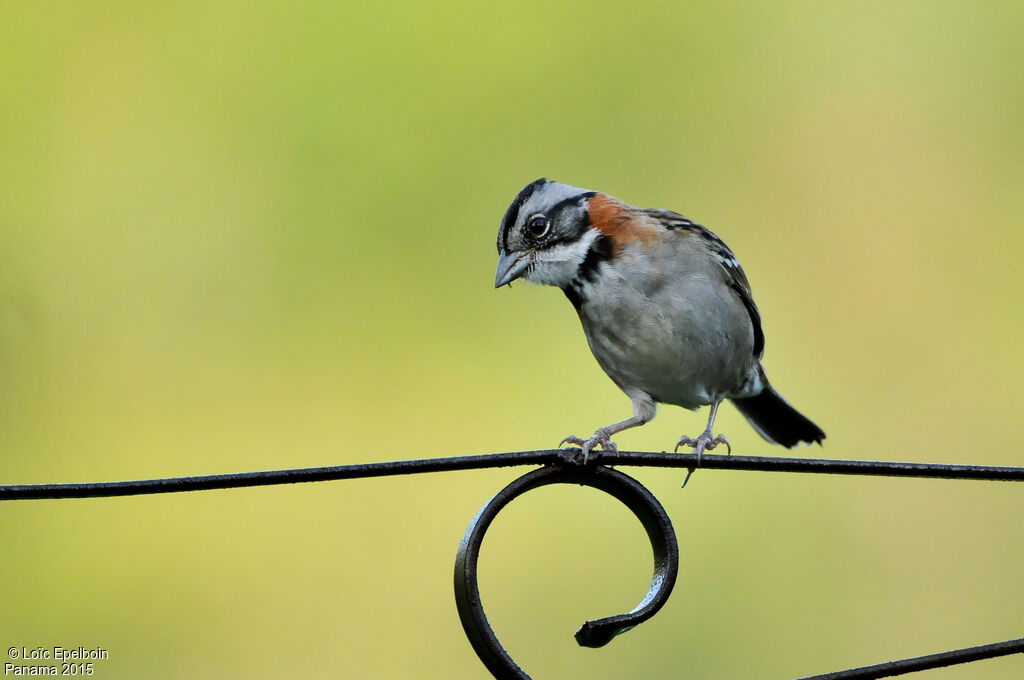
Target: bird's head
(545,235)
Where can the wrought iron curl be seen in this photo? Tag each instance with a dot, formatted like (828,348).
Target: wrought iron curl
(598,632)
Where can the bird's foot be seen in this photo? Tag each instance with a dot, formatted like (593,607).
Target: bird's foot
(704,442)
(601,437)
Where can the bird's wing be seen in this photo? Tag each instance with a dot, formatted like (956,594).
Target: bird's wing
(729,266)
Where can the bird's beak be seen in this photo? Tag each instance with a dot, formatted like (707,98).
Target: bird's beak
(511,266)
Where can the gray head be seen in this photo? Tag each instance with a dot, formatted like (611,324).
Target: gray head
(545,234)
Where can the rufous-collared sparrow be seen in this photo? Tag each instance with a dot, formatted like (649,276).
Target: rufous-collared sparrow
(665,306)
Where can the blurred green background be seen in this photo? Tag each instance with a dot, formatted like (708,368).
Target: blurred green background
(237,236)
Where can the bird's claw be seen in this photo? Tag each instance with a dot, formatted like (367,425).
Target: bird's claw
(600,438)
(684,441)
(704,442)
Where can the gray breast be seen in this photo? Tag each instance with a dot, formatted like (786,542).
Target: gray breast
(676,334)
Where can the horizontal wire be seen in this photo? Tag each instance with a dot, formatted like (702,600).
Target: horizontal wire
(923,663)
(492,460)
(570,456)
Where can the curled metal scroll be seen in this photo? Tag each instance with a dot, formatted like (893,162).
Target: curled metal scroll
(595,633)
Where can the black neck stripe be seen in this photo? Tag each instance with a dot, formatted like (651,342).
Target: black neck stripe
(575,297)
(600,250)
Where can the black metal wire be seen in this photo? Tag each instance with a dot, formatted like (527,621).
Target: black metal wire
(571,458)
(924,663)
(493,460)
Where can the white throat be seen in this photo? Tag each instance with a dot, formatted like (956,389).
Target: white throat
(558,266)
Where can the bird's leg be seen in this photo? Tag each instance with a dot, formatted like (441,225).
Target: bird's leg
(643,410)
(705,441)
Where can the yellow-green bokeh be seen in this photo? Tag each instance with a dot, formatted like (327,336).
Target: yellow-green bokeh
(237,236)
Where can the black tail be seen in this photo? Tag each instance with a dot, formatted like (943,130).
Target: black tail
(777,421)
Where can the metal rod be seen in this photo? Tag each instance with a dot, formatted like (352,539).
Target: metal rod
(924,663)
(480,461)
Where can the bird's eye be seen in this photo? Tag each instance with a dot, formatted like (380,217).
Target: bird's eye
(538,226)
